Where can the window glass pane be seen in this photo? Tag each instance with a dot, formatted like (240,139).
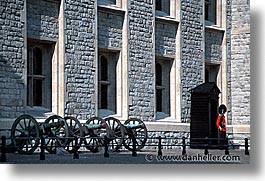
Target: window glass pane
(107,2)
(29,63)
(162,72)
(210,10)
(206,10)
(104,97)
(104,68)
(159,100)
(37,92)
(159,5)
(158,74)
(29,92)
(206,75)
(166,6)
(37,61)
(213,11)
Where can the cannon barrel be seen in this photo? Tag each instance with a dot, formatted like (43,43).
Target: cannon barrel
(53,125)
(134,126)
(95,126)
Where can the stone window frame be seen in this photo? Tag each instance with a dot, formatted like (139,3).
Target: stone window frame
(109,82)
(168,9)
(45,76)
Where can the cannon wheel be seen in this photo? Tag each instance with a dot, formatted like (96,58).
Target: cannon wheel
(140,135)
(25,134)
(94,138)
(75,131)
(115,133)
(56,136)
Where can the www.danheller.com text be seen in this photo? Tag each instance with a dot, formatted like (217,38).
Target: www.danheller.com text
(193,158)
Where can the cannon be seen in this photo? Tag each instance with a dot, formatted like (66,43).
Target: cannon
(135,130)
(90,134)
(70,134)
(95,130)
(26,133)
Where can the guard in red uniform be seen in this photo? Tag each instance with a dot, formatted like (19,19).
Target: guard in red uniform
(221,125)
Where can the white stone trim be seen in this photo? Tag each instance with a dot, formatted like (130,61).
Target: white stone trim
(60,97)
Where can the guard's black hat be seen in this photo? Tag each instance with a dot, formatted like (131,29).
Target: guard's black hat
(222,109)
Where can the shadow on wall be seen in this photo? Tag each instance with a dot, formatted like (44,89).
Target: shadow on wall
(12,91)
(11,85)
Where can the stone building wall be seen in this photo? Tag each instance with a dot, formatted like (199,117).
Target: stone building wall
(228,58)
(191,51)
(80,57)
(141,60)
(240,62)
(42,19)
(165,39)
(12,60)
(109,30)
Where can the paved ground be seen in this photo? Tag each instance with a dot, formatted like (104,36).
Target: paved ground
(144,157)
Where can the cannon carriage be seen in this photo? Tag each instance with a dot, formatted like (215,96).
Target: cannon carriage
(69,133)
(26,133)
(93,133)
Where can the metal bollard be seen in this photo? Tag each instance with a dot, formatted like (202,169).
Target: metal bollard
(42,147)
(206,151)
(184,146)
(106,151)
(226,147)
(246,147)
(76,154)
(159,146)
(134,153)
(3,149)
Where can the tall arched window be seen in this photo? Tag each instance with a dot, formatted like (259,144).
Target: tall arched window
(39,74)
(162,85)
(107,83)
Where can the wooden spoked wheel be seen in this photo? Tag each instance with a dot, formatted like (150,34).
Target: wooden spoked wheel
(57,135)
(115,133)
(139,134)
(94,134)
(75,134)
(25,134)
